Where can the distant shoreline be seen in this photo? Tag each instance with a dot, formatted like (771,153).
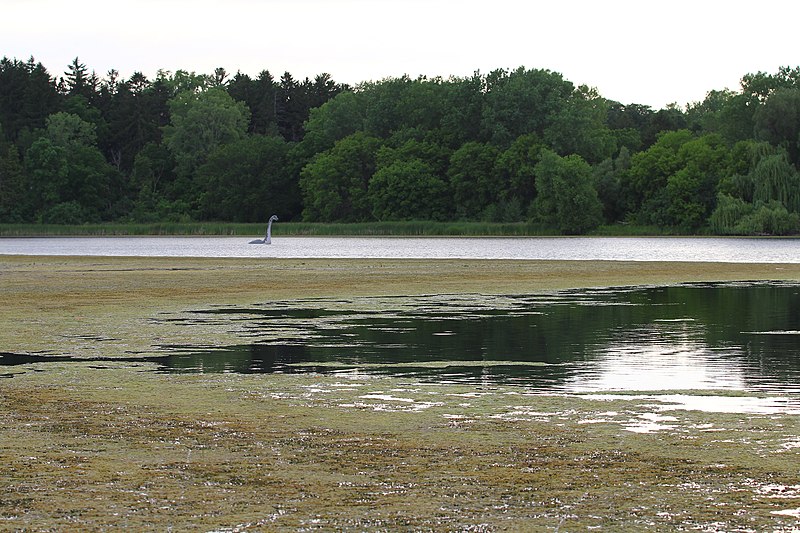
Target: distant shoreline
(382,229)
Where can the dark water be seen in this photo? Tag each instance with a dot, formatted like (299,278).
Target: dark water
(733,336)
(698,336)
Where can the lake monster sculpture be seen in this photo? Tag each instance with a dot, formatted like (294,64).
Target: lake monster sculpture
(268,238)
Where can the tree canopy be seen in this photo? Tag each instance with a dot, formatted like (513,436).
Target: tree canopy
(511,145)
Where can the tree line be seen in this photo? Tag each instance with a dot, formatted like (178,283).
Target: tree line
(507,146)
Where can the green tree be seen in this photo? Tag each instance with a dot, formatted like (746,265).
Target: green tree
(28,95)
(515,168)
(777,121)
(182,82)
(608,179)
(629,124)
(135,115)
(153,181)
(566,198)
(79,82)
(644,184)
(202,122)
(407,144)
(775,178)
(473,181)
(579,127)
(260,96)
(407,190)
(66,167)
(335,182)
(401,103)
(691,190)
(522,102)
(462,102)
(670,118)
(12,186)
(337,118)
(247,181)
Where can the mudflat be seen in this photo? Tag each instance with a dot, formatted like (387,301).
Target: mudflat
(87,446)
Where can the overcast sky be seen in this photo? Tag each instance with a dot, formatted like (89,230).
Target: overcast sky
(651,53)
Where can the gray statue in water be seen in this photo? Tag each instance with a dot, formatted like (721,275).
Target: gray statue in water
(268,238)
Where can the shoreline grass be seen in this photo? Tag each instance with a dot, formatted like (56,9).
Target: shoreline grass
(399,228)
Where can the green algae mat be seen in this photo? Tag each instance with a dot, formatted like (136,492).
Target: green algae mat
(111,442)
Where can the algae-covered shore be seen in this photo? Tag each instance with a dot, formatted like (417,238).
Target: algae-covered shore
(88,446)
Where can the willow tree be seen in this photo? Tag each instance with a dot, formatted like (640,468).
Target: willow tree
(776,179)
(566,197)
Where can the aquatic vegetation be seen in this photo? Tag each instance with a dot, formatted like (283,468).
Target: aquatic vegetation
(106,448)
(110,442)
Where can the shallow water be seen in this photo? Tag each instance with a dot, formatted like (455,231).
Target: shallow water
(735,250)
(733,337)
(726,337)
(669,342)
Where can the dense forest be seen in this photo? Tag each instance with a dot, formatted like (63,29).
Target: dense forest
(507,146)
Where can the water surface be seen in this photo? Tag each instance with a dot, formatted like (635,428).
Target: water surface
(716,249)
(736,337)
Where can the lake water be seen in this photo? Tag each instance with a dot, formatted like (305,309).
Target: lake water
(736,250)
(743,337)
(729,337)
(724,337)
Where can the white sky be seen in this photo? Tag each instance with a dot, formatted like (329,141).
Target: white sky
(643,52)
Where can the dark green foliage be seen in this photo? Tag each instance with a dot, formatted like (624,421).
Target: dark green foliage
(28,95)
(64,165)
(13,197)
(473,182)
(201,123)
(608,181)
(522,102)
(580,128)
(187,146)
(255,168)
(734,216)
(777,121)
(336,181)
(566,197)
(407,189)
(515,169)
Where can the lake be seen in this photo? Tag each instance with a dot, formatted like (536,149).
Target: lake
(733,336)
(713,249)
(740,337)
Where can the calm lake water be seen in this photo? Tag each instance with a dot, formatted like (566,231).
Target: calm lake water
(730,337)
(743,337)
(737,250)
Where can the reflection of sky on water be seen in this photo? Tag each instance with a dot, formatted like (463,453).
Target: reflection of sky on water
(658,357)
(753,405)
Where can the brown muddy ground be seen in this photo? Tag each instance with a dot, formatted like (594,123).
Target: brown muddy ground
(89,446)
